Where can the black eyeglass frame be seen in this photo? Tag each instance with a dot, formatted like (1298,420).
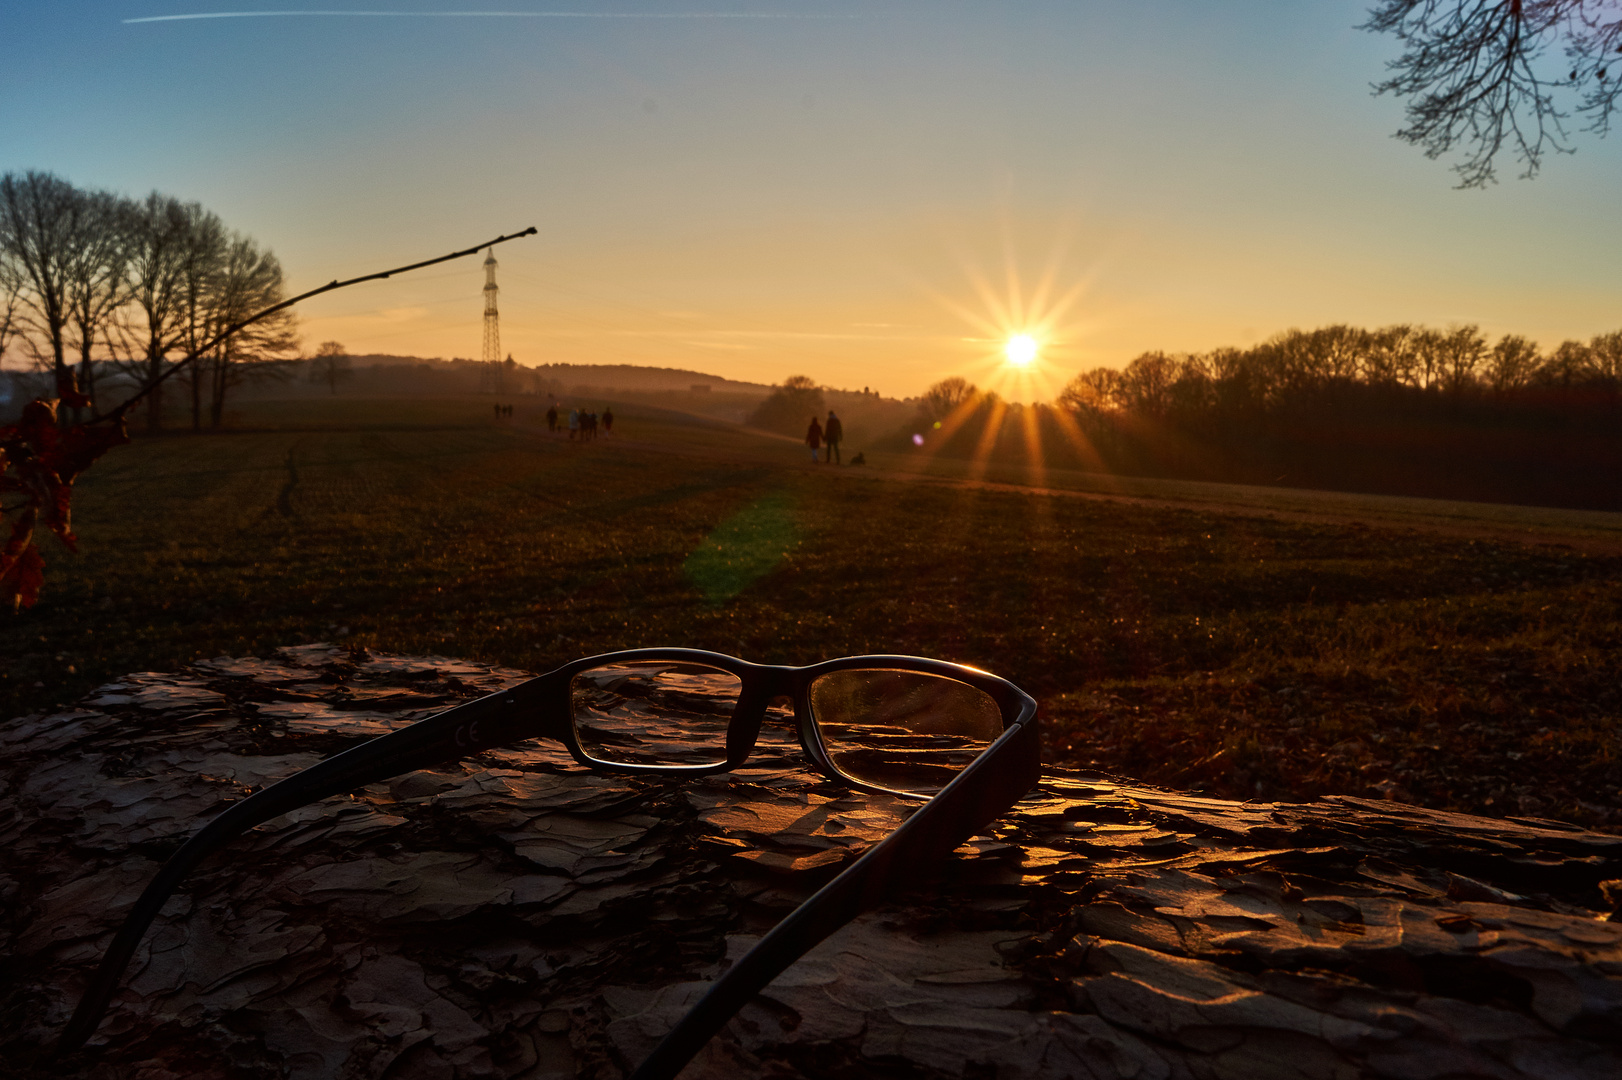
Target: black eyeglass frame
(764,683)
(542,708)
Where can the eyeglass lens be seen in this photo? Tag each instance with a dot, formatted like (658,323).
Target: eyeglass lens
(654,712)
(902,730)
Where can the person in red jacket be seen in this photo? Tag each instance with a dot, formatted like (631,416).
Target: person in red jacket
(813,437)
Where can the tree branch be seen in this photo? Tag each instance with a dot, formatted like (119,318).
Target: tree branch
(1476,75)
(222,335)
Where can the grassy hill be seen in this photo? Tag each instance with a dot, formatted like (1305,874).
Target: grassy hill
(1254,643)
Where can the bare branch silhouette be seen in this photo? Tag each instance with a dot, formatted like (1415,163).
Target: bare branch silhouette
(223,334)
(1478,77)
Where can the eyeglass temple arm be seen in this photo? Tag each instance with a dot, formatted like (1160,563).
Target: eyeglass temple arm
(980,794)
(490,721)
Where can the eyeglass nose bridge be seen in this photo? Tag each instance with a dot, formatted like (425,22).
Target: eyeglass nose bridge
(747,717)
(762,688)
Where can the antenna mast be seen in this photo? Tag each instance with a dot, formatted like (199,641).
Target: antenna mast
(492,320)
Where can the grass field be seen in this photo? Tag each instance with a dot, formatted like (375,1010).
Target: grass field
(1249,642)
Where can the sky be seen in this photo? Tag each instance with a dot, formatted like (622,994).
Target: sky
(872,194)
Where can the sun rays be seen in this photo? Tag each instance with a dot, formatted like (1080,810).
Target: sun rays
(1025,328)
(1025,340)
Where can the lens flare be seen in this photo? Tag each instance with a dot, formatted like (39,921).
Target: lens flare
(1020,350)
(1026,336)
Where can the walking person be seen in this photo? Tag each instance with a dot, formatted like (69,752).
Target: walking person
(574,422)
(608,420)
(813,438)
(832,432)
(552,418)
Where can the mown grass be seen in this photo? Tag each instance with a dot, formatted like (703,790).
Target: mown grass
(1244,655)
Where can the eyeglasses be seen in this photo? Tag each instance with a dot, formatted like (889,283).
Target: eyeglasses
(961,738)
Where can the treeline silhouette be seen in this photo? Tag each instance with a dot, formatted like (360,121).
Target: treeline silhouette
(92,282)
(1402,410)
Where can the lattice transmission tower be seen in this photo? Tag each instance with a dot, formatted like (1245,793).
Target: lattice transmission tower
(492,319)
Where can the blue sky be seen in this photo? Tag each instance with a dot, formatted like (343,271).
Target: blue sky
(872,194)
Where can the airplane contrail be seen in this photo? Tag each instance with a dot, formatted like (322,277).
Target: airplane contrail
(488,15)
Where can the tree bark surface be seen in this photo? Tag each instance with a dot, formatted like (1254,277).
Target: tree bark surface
(515,915)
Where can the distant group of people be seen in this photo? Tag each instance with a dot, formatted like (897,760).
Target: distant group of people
(826,435)
(504,412)
(580,423)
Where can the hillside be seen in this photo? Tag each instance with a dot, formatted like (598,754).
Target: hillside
(614,376)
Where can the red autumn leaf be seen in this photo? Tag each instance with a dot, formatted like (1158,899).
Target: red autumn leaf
(74,452)
(39,461)
(82,444)
(59,516)
(22,577)
(21,565)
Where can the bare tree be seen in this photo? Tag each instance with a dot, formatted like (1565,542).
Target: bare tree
(1478,75)
(1192,389)
(1430,355)
(943,398)
(249,280)
(1338,351)
(1392,357)
(154,323)
(82,269)
(1238,384)
(1146,383)
(1460,354)
(41,465)
(96,280)
(1512,363)
(1284,363)
(788,406)
(40,222)
(1605,356)
(1571,364)
(10,288)
(330,365)
(200,269)
(1092,393)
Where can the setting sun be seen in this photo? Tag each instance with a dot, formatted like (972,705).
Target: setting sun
(1020,350)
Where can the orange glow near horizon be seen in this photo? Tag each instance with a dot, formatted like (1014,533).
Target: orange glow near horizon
(1026,341)
(1015,305)
(1025,327)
